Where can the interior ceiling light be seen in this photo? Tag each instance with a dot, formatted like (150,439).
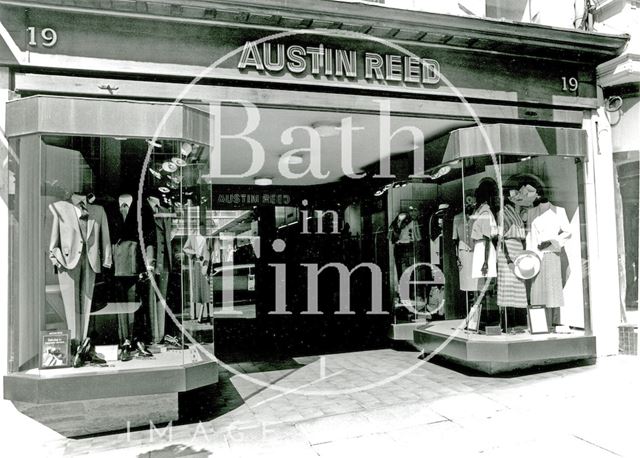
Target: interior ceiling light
(263,181)
(292,160)
(326,128)
(442,171)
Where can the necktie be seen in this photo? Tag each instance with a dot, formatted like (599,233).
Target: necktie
(124,210)
(84,215)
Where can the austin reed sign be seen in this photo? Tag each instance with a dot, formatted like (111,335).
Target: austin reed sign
(321,61)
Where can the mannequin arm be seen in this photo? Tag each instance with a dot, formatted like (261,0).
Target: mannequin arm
(106,241)
(54,241)
(487,246)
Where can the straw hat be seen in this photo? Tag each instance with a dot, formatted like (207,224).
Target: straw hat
(526,265)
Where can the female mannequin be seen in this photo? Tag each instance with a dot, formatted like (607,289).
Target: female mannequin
(484,229)
(549,230)
(404,232)
(512,292)
(462,225)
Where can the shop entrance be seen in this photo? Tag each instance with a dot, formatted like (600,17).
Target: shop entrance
(277,231)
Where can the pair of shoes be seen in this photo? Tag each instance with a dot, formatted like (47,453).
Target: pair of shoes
(94,358)
(125,351)
(81,353)
(86,352)
(142,350)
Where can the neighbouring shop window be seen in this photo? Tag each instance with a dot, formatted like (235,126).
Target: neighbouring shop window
(630,192)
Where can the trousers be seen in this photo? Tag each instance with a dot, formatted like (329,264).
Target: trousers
(157,313)
(125,290)
(76,288)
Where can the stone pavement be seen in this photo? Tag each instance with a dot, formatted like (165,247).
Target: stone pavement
(387,403)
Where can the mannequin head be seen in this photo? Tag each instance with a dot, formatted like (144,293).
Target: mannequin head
(487,193)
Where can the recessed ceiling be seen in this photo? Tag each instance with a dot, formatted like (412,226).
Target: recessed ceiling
(270,133)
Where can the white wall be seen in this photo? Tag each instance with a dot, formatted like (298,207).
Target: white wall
(618,17)
(4,225)
(604,287)
(557,13)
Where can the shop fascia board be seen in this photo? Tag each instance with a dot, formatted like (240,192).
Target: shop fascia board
(106,117)
(71,63)
(534,39)
(624,69)
(284,99)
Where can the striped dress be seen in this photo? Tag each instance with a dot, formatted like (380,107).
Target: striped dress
(512,292)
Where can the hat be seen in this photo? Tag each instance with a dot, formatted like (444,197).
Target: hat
(526,265)
(442,208)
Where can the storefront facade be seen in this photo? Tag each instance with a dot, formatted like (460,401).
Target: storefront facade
(138,108)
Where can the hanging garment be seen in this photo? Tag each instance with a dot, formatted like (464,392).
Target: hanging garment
(435,250)
(404,234)
(484,226)
(512,291)
(199,256)
(548,223)
(462,234)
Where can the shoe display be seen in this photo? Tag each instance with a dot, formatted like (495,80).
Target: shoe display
(125,351)
(82,352)
(172,341)
(142,349)
(94,358)
(74,346)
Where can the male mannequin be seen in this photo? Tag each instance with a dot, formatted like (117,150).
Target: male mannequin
(127,260)
(79,247)
(157,238)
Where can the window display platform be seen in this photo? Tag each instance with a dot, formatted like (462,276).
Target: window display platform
(93,399)
(404,331)
(506,352)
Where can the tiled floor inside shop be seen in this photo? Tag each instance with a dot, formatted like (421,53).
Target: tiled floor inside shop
(389,402)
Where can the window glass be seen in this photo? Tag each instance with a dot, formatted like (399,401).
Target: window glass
(486,261)
(93,294)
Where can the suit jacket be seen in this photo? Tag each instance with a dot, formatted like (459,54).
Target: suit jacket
(127,255)
(157,238)
(66,244)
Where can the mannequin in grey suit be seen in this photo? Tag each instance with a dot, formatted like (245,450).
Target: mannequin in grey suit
(157,234)
(79,247)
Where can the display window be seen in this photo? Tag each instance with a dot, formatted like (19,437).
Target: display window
(500,245)
(112,263)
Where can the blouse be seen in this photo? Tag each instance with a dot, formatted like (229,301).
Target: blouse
(547,223)
(484,223)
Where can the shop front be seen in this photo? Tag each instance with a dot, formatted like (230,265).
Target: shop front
(312,192)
